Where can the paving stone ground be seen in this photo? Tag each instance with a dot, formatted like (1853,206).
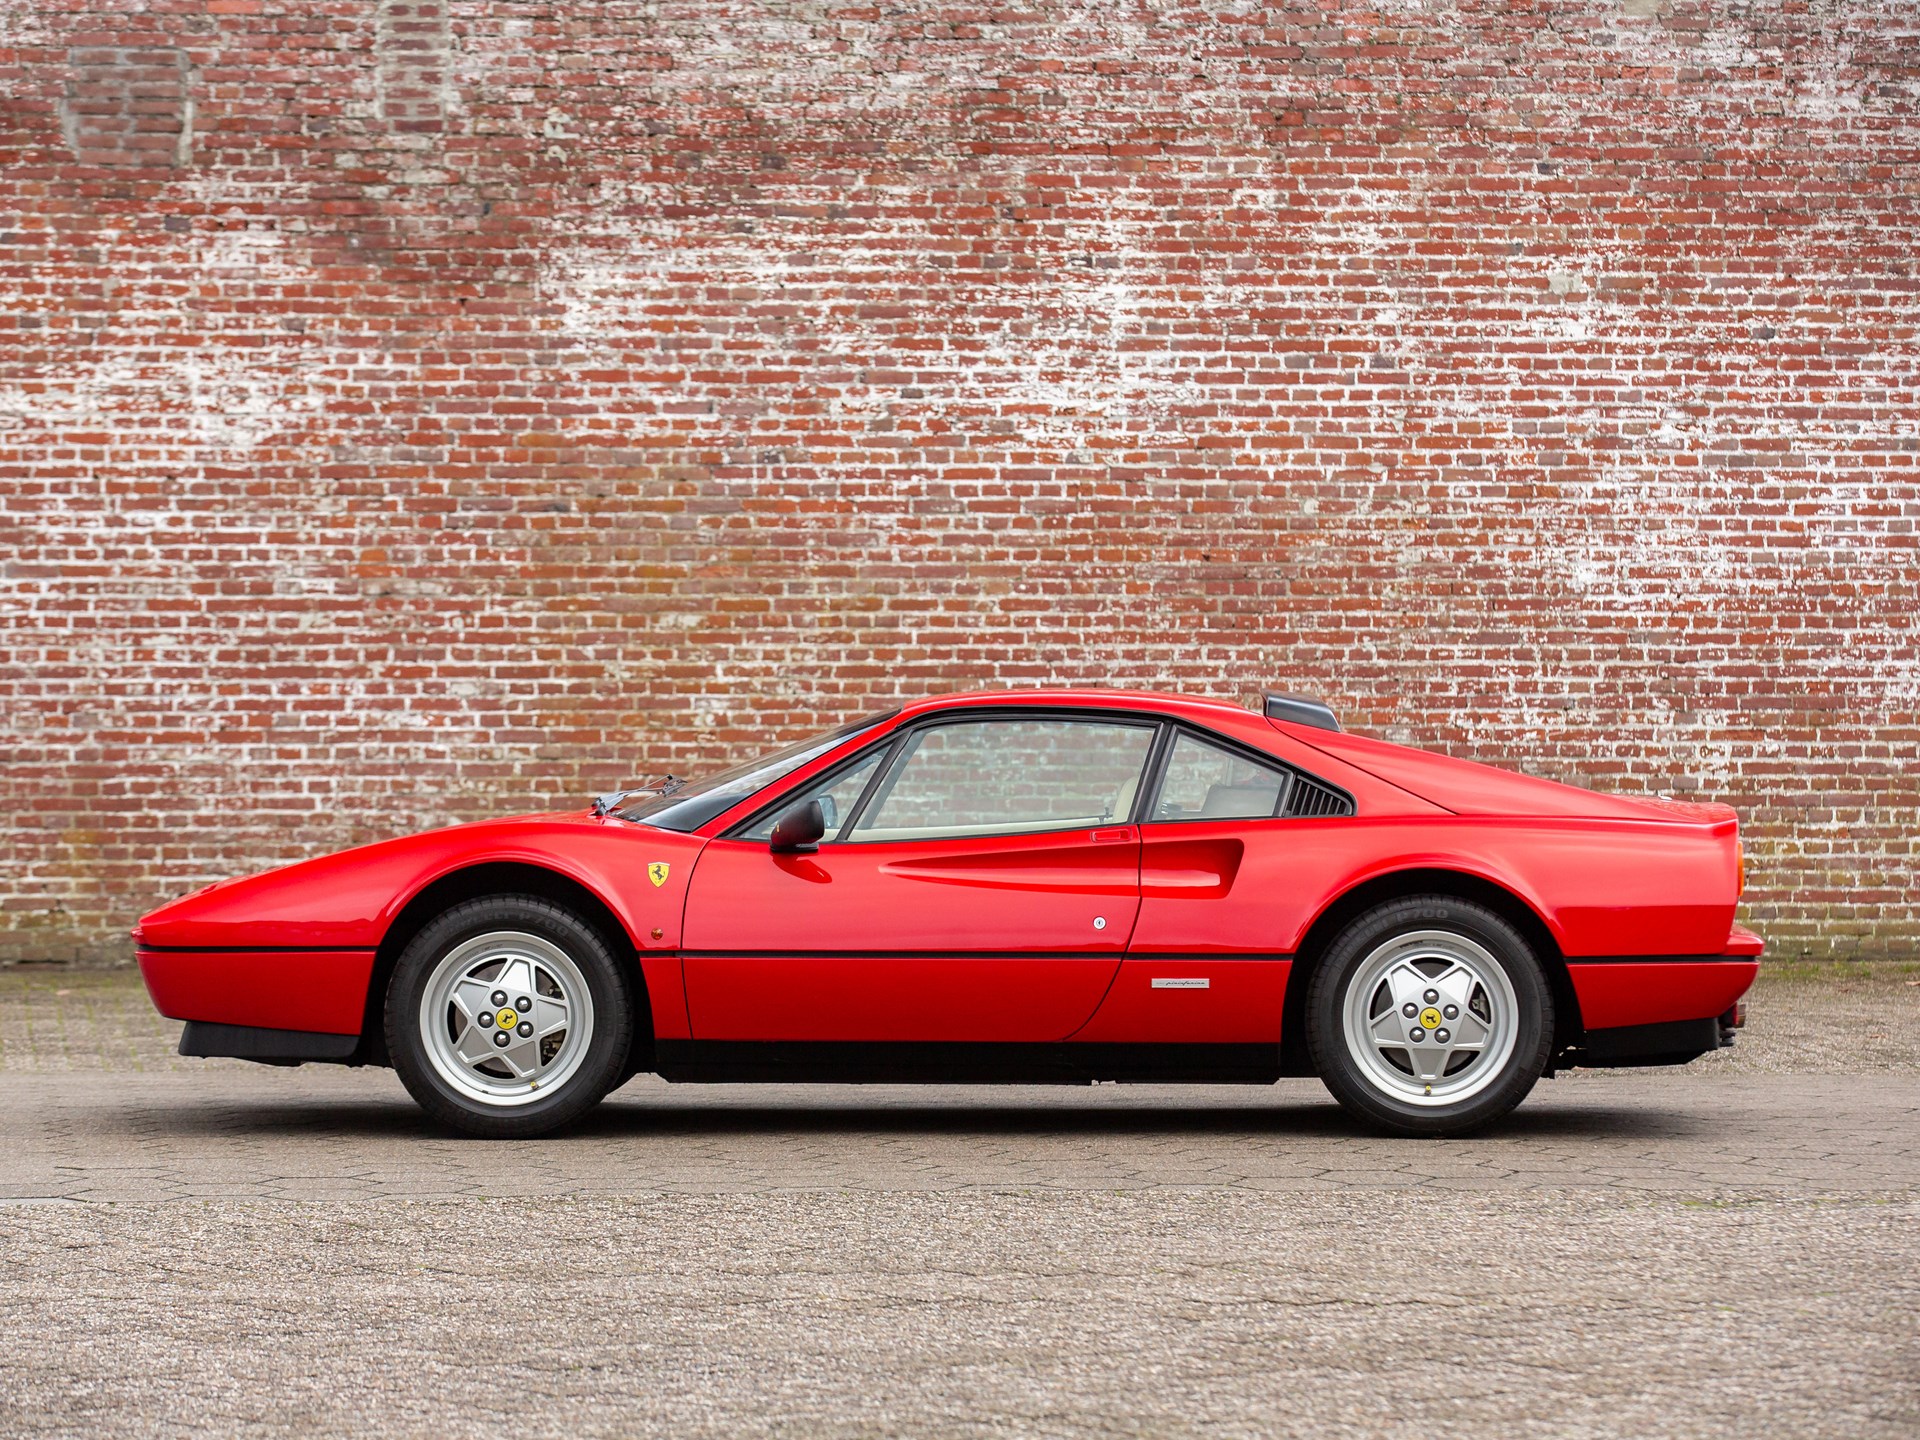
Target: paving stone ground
(1731,1248)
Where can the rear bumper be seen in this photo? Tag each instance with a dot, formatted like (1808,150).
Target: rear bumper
(314,991)
(1661,1010)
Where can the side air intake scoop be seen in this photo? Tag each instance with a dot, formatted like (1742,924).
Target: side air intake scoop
(1300,711)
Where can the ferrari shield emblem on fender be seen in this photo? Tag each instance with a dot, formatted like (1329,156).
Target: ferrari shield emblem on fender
(657,872)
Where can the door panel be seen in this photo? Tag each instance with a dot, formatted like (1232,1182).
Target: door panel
(1194,999)
(1204,963)
(896,997)
(985,937)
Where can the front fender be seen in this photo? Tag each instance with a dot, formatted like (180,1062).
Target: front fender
(349,899)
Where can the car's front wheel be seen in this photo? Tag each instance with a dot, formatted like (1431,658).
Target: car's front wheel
(1429,1016)
(507,1017)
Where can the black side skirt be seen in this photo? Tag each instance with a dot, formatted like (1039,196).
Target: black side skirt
(1672,1042)
(270,1047)
(887,1063)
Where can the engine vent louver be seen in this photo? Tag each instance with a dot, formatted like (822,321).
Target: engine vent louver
(1309,799)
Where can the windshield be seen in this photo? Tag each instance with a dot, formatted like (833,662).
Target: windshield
(692,805)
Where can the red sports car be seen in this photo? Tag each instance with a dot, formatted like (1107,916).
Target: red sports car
(1037,886)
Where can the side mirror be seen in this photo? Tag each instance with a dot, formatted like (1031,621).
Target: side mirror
(798,831)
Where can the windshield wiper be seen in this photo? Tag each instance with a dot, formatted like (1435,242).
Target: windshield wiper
(606,804)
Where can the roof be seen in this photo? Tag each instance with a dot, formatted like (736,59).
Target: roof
(1084,695)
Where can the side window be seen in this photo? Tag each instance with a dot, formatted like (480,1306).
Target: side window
(988,777)
(1206,782)
(837,798)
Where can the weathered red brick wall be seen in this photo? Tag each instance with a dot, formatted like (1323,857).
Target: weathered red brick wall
(411,412)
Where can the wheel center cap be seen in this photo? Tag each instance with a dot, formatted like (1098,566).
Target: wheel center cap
(507,1018)
(1430,1018)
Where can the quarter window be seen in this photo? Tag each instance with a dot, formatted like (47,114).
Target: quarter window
(990,777)
(837,798)
(687,807)
(1209,782)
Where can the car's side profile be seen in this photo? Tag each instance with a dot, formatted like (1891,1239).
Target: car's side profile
(1028,886)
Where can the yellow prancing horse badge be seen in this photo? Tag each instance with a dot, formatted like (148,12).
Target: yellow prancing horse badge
(657,872)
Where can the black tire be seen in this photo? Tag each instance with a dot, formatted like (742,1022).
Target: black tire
(1367,1091)
(602,1059)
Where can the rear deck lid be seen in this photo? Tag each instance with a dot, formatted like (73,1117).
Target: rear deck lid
(1467,787)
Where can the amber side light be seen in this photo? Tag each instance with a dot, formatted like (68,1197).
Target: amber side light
(1740,866)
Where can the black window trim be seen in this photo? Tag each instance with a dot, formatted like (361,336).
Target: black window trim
(897,742)
(1289,776)
(910,735)
(1167,728)
(1144,803)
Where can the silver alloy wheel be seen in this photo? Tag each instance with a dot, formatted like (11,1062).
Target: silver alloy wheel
(506,983)
(1430,1018)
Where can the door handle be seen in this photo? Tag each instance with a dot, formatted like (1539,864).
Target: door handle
(1114,835)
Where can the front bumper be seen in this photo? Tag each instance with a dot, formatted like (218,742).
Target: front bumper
(322,991)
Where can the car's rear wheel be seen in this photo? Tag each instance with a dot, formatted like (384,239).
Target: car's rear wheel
(507,1016)
(1429,1016)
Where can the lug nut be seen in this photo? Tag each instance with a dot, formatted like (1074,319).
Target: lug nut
(1452,1012)
(523,1004)
(1443,1036)
(1416,1033)
(1409,1009)
(499,998)
(502,1038)
(1431,996)
(486,1019)
(526,1029)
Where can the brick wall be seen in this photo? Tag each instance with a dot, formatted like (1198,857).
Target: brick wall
(417,411)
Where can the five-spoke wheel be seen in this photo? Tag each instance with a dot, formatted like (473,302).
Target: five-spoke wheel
(508,1016)
(1429,1016)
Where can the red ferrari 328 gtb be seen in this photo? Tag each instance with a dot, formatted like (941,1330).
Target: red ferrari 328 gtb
(1034,886)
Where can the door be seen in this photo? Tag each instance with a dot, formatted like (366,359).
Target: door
(1205,963)
(978,882)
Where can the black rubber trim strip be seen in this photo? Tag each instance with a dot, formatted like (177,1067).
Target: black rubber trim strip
(1154,774)
(1657,959)
(968,955)
(139,950)
(207,1039)
(958,1063)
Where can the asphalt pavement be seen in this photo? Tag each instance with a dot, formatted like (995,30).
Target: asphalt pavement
(1731,1248)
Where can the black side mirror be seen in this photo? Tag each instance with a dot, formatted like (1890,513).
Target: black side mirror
(798,831)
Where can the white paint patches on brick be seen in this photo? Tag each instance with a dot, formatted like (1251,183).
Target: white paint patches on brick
(203,407)
(214,401)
